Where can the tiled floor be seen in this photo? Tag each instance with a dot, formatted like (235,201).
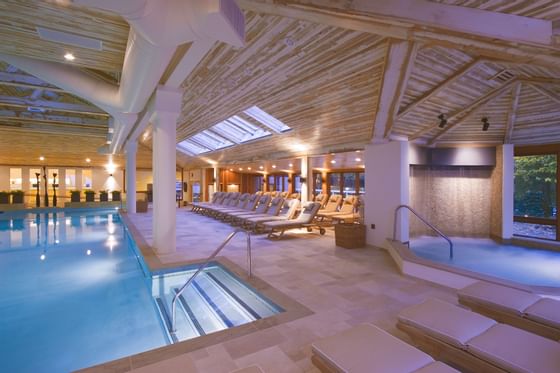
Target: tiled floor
(342,287)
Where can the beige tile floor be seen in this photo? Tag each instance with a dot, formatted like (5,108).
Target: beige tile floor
(342,287)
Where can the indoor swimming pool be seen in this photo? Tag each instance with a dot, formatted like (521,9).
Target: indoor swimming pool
(75,293)
(530,266)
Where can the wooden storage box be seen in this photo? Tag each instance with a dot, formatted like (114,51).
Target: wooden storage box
(350,235)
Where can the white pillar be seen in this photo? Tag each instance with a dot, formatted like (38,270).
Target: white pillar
(307,173)
(507,191)
(167,107)
(130,150)
(387,178)
(216,179)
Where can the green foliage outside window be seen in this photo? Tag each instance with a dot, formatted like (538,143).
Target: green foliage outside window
(535,186)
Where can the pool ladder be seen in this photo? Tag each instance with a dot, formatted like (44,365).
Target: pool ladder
(423,221)
(204,265)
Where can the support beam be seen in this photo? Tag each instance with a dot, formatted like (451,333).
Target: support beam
(546,93)
(438,89)
(28,81)
(463,20)
(512,114)
(307,173)
(131,177)
(8,115)
(51,105)
(190,60)
(398,64)
(474,105)
(362,18)
(54,129)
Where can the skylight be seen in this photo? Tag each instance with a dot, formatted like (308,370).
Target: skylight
(268,120)
(239,130)
(232,131)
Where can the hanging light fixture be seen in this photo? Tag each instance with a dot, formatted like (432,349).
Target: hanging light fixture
(442,120)
(485,124)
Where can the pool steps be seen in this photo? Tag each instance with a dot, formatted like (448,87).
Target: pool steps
(215,301)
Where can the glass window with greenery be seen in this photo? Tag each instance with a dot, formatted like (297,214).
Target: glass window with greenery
(535,196)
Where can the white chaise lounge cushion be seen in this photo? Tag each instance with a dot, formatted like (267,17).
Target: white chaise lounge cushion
(516,350)
(436,367)
(366,348)
(546,311)
(503,297)
(446,321)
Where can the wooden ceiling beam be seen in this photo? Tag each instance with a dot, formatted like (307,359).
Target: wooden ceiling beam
(51,105)
(363,17)
(472,21)
(512,114)
(28,81)
(466,112)
(541,80)
(398,64)
(546,93)
(439,88)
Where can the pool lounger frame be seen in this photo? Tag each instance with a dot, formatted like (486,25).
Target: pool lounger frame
(515,307)
(476,343)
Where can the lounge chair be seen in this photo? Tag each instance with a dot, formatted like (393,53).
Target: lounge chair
(249,205)
(294,196)
(368,349)
(287,210)
(332,204)
(223,201)
(216,199)
(515,307)
(304,220)
(347,207)
(235,201)
(321,198)
(475,342)
(261,209)
(284,195)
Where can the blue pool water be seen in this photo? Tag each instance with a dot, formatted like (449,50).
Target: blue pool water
(72,293)
(528,266)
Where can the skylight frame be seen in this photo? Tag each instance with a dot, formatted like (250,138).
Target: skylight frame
(266,119)
(191,148)
(211,140)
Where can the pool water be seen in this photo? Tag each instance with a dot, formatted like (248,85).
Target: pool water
(72,293)
(537,267)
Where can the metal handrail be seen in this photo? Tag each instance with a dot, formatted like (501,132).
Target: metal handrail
(423,221)
(204,264)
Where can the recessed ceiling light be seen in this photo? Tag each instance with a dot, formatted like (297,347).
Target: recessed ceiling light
(240,169)
(273,166)
(333,161)
(69,57)
(261,167)
(291,165)
(41,158)
(108,142)
(249,168)
(358,159)
(231,169)
(358,151)
(88,160)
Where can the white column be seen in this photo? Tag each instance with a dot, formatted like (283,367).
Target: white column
(307,173)
(507,191)
(164,121)
(130,150)
(387,178)
(216,179)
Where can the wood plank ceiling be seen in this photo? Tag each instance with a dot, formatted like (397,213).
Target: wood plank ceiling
(324,81)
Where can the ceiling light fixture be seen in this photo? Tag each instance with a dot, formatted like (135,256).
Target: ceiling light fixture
(231,169)
(291,165)
(442,120)
(261,167)
(88,160)
(273,166)
(485,124)
(41,158)
(249,168)
(333,161)
(358,159)
(240,169)
(69,57)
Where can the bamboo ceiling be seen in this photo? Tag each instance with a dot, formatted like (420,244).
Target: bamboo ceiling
(325,81)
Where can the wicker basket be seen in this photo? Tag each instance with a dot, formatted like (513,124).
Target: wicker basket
(350,236)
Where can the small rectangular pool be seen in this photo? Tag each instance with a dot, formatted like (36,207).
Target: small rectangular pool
(75,293)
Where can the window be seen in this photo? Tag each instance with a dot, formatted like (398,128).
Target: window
(33,178)
(70,180)
(268,120)
(258,182)
(51,173)
(254,123)
(349,183)
(535,196)
(15,179)
(317,184)
(297,184)
(362,183)
(87,179)
(334,183)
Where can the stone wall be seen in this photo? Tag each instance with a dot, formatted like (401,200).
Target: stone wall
(457,200)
